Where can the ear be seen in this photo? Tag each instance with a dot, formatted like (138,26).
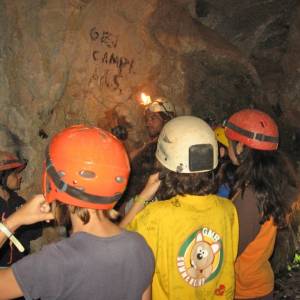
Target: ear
(199,237)
(215,247)
(239,148)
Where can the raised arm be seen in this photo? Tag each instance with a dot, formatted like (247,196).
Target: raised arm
(35,210)
(147,194)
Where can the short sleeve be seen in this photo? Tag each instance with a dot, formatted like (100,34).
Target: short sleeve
(146,223)
(40,275)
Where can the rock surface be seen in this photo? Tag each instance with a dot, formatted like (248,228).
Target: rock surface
(87,61)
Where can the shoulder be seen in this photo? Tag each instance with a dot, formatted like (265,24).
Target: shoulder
(136,241)
(157,209)
(147,221)
(245,198)
(224,202)
(133,237)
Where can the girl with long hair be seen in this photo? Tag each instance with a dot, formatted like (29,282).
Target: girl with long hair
(264,188)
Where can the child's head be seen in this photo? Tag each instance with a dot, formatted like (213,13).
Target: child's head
(253,147)
(223,142)
(10,169)
(250,128)
(187,152)
(85,168)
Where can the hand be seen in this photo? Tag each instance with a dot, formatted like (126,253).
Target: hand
(151,187)
(35,210)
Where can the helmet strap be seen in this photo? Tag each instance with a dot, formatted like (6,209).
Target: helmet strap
(74,192)
(252,135)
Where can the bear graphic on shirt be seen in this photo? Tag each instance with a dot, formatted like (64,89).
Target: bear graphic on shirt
(202,256)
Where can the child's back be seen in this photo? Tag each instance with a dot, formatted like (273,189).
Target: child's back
(194,234)
(189,236)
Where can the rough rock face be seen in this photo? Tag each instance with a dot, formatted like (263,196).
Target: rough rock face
(267,33)
(68,62)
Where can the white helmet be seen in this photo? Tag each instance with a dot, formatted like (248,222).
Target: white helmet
(187,144)
(161,105)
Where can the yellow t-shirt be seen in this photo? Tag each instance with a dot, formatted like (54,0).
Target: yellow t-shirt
(194,240)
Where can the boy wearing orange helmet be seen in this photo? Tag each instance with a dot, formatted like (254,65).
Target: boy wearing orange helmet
(260,196)
(86,172)
(10,180)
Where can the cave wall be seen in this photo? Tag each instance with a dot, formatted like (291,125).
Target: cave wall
(267,33)
(65,62)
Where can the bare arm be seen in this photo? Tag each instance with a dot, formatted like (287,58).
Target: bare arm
(147,293)
(147,194)
(9,288)
(33,211)
(133,211)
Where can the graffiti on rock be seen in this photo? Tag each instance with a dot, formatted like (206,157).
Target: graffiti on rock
(109,66)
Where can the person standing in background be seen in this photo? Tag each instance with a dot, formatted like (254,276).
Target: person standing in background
(157,114)
(10,181)
(263,192)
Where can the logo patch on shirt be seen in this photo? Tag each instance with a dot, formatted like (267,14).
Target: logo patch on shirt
(200,257)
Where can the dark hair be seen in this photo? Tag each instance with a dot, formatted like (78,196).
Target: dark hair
(225,173)
(173,183)
(270,174)
(167,116)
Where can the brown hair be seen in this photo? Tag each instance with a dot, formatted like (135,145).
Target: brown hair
(173,183)
(62,213)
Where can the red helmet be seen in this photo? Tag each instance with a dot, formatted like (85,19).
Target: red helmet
(253,128)
(9,161)
(85,167)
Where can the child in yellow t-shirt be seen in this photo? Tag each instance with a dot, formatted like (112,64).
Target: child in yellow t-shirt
(193,234)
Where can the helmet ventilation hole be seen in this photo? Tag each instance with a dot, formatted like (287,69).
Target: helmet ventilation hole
(87,174)
(119,179)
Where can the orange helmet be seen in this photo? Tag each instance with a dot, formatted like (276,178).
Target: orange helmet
(254,128)
(9,161)
(86,167)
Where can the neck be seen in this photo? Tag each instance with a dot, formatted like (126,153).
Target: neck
(98,224)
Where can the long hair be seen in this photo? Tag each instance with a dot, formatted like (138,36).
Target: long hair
(225,173)
(173,183)
(270,174)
